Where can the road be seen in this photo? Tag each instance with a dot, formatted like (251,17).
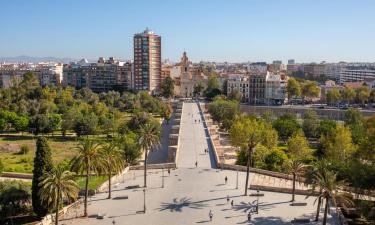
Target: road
(190,192)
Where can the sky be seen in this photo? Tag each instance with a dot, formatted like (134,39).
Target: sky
(209,30)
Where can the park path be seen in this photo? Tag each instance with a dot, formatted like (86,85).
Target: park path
(194,139)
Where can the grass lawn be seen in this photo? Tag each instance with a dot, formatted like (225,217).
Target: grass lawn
(62,148)
(94,181)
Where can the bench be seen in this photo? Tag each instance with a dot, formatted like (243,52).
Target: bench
(256,195)
(299,204)
(132,186)
(301,220)
(100,216)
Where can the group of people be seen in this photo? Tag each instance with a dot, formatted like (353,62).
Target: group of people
(210,214)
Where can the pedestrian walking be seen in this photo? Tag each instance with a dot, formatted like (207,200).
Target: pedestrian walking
(231,203)
(227,199)
(169,171)
(196,163)
(226,179)
(210,214)
(249,216)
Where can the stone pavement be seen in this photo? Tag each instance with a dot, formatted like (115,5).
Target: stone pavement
(189,193)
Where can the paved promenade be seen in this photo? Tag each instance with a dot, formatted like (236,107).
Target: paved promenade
(190,192)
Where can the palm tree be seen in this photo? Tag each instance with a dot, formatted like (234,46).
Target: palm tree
(329,188)
(296,168)
(318,167)
(56,186)
(113,161)
(149,138)
(87,161)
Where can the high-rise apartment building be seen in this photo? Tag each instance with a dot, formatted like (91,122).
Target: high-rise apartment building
(147,62)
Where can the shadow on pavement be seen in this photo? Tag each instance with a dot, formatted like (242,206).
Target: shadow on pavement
(203,221)
(178,205)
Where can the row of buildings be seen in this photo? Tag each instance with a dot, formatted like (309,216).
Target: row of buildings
(339,72)
(143,73)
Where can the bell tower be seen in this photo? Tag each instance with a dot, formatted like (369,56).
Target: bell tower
(184,63)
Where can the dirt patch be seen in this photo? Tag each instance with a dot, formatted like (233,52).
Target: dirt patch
(10,147)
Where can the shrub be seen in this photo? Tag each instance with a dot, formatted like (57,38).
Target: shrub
(24,150)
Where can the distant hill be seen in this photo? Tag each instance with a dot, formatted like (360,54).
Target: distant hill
(31,59)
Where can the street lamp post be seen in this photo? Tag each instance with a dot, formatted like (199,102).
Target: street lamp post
(144,200)
(257,200)
(162,177)
(237,180)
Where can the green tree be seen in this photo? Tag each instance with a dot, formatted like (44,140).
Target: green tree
(348,94)
(355,121)
(149,138)
(21,123)
(270,137)
(88,160)
(167,87)
(326,127)
(39,124)
(310,90)
(128,143)
(113,161)
(338,145)
(298,146)
(363,94)
(56,186)
(246,133)
(366,149)
(86,124)
(333,96)
(54,122)
(286,125)
(42,165)
(275,160)
(198,89)
(236,95)
(213,87)
(330,189)
(293,88)
(223,110)
(68,120)
(310,124)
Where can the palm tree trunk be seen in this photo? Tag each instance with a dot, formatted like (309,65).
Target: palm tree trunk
(248,168)
(86,189)
(294,186)
(145,170)
(318,208)
(325,212)
(57,208)
(109,184)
